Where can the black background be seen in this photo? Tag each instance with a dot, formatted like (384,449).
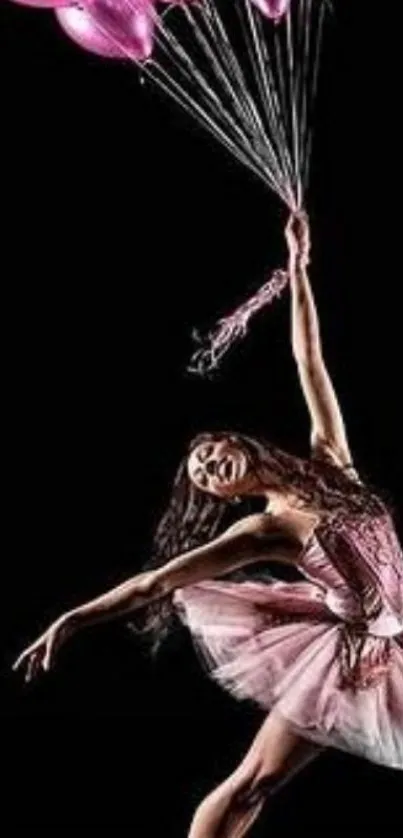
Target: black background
(123,227)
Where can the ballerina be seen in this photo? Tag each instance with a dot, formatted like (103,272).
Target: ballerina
(322,656)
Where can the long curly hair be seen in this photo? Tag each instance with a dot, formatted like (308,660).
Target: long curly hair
(194,517)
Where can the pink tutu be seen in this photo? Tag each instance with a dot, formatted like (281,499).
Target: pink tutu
(299,647)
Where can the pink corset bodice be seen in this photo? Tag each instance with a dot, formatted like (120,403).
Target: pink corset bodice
(358,562)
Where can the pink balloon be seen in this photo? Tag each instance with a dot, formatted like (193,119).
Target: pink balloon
(111,28)
(128,23)
(79,25)
(41,4)
(274,9)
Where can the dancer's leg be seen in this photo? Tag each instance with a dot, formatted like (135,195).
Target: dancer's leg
(276,753)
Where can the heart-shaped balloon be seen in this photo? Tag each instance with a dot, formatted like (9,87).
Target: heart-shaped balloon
(129,24)
(274,9)
(111,28)
(80,26)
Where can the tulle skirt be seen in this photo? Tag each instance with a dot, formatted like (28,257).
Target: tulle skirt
(279,645)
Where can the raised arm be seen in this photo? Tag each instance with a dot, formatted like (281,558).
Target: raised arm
(247,541)
(328,434)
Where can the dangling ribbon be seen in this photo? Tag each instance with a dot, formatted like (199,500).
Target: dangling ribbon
(361,667)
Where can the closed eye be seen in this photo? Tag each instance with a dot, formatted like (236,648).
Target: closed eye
(200,478)
(205,453)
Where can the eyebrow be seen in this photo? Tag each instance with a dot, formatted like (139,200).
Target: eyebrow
(205,451)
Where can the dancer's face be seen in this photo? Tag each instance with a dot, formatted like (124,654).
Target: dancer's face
(219,467)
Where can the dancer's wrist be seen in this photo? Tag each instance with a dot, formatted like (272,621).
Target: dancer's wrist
(298,261)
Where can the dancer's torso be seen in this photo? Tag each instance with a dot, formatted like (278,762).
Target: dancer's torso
(356,560)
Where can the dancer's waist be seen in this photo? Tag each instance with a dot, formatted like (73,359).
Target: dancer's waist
(371,617)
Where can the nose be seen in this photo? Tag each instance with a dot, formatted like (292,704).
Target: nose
(210,467)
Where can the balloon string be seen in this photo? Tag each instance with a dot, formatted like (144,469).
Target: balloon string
(315,80)
(277,119)
(253,98)
(262,77)
(233,131)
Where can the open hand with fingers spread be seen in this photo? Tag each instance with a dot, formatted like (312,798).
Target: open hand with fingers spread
(40,655)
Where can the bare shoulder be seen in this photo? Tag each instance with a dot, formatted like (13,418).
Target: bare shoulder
(324,451)
(274,537)
(263,525)
(298,525)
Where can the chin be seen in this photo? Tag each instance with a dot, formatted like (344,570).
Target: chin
(225,493)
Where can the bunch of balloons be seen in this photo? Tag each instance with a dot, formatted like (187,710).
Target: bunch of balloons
(124,28)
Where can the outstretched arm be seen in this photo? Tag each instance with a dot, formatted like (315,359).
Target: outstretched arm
(328,434)
(247,541)
(240,544)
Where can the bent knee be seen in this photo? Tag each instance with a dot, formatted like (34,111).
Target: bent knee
(252,789)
